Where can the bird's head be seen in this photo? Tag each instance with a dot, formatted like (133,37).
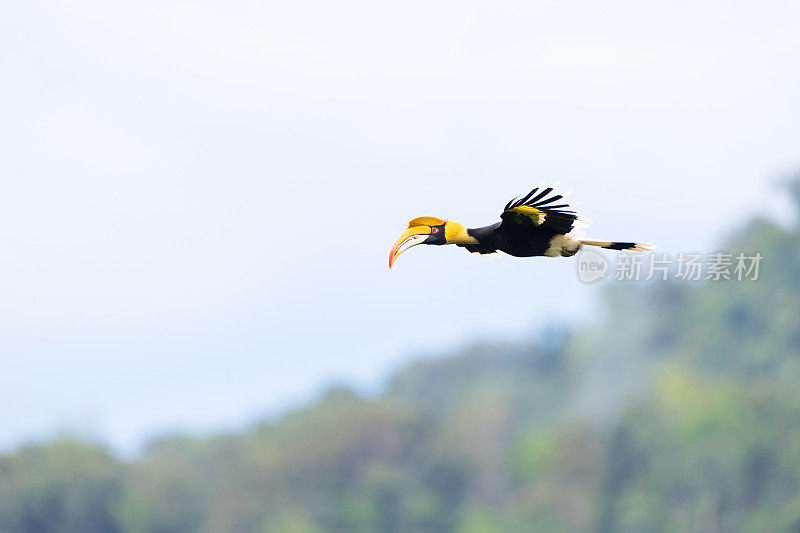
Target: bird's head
(428,230)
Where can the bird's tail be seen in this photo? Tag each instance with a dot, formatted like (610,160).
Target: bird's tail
(616,245)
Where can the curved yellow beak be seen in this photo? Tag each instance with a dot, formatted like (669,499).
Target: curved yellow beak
(410,237)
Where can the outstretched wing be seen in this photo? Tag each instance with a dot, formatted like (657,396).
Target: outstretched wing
(541,209)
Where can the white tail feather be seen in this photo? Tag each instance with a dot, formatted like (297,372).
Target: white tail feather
(636,246)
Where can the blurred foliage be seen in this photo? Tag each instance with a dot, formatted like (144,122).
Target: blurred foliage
(678,411)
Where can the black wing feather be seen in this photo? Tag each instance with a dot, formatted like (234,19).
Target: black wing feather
(558,219)
(541,194)
(549,200)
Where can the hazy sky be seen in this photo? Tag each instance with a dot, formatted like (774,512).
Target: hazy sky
(198,197)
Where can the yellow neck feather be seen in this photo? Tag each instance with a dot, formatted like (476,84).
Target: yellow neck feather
(455,233)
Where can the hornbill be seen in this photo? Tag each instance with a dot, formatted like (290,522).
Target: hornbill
(533,225)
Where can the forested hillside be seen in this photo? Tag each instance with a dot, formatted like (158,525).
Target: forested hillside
(679,410)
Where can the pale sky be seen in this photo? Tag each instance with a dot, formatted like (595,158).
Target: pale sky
(198,197)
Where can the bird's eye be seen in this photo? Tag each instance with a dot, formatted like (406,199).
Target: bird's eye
(434,230)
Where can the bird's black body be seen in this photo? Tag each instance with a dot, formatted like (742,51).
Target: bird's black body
(528,228)
(519,242)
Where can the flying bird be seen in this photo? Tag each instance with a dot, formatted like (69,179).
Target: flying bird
(534,225)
